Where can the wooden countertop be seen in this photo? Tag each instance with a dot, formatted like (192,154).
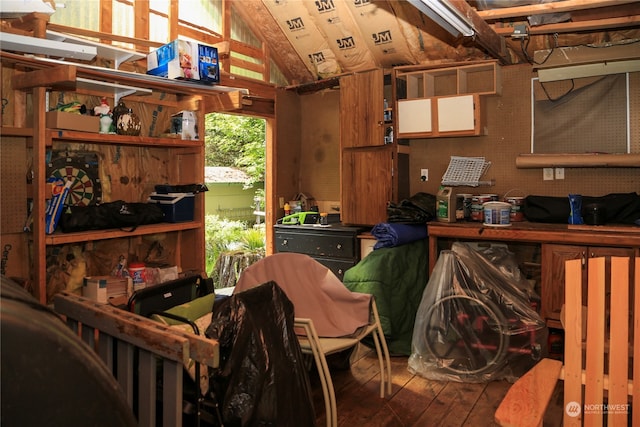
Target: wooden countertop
(604,235)
(591,235)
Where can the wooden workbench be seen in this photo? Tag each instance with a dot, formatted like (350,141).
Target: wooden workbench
(534,232)
(558,243)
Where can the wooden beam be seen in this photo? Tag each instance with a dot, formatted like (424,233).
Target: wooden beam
(485,36)
(573,27)
(578,55)
(58,78)
(543,8)
(35,23)
(228,101)
(104,36)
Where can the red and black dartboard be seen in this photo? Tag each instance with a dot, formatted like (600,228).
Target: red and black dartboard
(82,168)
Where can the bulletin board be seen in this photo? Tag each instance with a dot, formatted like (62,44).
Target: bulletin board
(13,185)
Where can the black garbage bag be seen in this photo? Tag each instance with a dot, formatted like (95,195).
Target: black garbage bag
(261,380)
(417,209)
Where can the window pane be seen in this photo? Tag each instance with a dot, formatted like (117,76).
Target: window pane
(158,28)
(161,6)
(202,13)
(79,14)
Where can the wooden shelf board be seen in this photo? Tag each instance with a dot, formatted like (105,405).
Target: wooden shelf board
(100,138)
(137,80)
(115,54)
(16,131)
(86,236)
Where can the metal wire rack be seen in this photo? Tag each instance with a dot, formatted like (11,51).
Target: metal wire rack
(466,171)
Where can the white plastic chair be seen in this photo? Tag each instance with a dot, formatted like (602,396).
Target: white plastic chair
(329,317)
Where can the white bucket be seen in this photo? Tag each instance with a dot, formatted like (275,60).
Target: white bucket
(497,213)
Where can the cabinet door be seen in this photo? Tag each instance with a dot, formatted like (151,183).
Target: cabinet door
(458,114)
(362,109)
(553,259)
(366,185)
(552,287)
(414,117)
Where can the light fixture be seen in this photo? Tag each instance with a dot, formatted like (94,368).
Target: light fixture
(441,12)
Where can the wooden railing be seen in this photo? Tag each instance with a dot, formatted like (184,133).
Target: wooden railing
(136,349)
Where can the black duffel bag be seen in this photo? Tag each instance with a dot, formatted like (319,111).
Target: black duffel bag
(622,208)
(118,214)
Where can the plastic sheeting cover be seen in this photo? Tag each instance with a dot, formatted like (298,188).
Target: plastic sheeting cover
(475,322)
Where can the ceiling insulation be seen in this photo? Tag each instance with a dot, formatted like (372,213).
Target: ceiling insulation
(334,37)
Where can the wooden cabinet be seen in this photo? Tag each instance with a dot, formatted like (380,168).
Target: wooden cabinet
(553,261)
(362,121)
(557,244)
(336,247)
(459,115)
(374,169)
(482,78)
(129,166)
(445,102)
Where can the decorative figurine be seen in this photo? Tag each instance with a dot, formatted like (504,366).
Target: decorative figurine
(102,109)
(128,124)
(105,123)
(104,112)
(119,110)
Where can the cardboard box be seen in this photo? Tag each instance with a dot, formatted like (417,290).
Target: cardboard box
(101,288)
(186,60)
(72,121)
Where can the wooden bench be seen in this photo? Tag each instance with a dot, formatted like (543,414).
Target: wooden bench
(598,373)
(134,348)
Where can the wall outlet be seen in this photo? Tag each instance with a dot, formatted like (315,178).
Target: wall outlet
(424,175)
(547,174)
(559,173)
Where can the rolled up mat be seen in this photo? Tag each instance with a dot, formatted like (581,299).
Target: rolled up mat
(389,235)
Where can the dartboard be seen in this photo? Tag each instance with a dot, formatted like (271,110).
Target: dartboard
(82,169)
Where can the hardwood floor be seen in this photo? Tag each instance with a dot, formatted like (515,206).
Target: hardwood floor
(414,402)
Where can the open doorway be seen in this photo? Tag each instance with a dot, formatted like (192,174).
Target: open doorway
(235,170)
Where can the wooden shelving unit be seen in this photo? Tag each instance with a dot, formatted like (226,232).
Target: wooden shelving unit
(133,165)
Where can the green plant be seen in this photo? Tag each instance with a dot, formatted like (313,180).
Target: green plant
(223,235)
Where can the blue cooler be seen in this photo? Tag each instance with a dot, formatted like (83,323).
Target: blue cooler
(177,207)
